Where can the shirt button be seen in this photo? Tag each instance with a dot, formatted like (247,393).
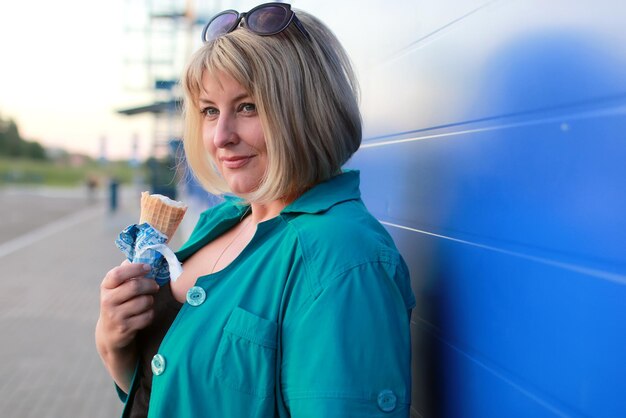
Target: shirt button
(387,400)
(196,296)
(158,364)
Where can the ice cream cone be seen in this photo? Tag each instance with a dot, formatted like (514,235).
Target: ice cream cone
(162,213)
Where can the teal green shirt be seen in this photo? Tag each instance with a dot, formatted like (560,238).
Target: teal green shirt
(310,320)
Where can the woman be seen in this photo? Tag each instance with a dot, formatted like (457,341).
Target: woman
(294,301)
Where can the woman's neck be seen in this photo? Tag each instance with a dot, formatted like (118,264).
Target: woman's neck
(263,211)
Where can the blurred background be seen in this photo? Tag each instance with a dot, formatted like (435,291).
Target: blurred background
(493,151)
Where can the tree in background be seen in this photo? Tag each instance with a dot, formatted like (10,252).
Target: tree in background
(13,145)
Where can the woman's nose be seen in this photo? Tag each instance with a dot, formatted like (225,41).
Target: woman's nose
(225,131)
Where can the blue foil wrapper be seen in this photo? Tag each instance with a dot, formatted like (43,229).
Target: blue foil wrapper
(145,244)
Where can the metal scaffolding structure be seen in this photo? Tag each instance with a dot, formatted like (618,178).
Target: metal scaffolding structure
(160,35)
(158,40)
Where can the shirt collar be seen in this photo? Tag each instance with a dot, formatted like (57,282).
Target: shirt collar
(327,194)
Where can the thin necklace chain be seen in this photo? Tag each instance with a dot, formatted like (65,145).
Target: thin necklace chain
(231,243)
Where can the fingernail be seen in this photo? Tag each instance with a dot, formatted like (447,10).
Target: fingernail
(146,267)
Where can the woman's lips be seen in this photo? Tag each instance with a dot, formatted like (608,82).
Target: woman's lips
(236,162)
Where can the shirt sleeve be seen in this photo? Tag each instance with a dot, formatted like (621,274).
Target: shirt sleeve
(347,352)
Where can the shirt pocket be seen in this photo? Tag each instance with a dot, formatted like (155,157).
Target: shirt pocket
(246,355)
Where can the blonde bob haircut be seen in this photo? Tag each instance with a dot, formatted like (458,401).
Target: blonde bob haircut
(306,96)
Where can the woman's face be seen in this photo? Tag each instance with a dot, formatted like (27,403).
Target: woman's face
(232,132)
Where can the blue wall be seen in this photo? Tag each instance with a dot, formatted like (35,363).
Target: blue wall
(495,153)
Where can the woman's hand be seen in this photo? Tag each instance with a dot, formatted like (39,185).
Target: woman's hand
(126,299)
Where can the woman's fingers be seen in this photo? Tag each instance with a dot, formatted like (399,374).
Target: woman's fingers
(126,303)
(115,313)
(125,320)
(137,305)
(140,320)
(127,291)
(118,275)
(125,310)
(125,282)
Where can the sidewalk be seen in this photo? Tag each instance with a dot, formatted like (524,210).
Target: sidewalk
(49,294)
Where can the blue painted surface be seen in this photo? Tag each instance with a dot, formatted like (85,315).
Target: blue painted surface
(495,153)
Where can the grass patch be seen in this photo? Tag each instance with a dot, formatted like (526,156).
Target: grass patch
(49,173)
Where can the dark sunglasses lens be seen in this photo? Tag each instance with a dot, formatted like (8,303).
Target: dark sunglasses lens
(268,20)
(220,25)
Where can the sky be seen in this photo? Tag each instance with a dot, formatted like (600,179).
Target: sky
(62,76)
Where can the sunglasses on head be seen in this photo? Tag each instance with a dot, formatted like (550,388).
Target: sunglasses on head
(265,19)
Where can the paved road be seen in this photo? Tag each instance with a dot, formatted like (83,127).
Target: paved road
(53,255)
(25,209)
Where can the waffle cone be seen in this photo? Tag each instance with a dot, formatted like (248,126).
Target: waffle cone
(162,215)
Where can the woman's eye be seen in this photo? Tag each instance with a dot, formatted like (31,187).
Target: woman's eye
(209,111)
(247,108)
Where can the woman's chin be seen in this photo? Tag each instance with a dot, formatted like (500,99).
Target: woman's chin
(242,190)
